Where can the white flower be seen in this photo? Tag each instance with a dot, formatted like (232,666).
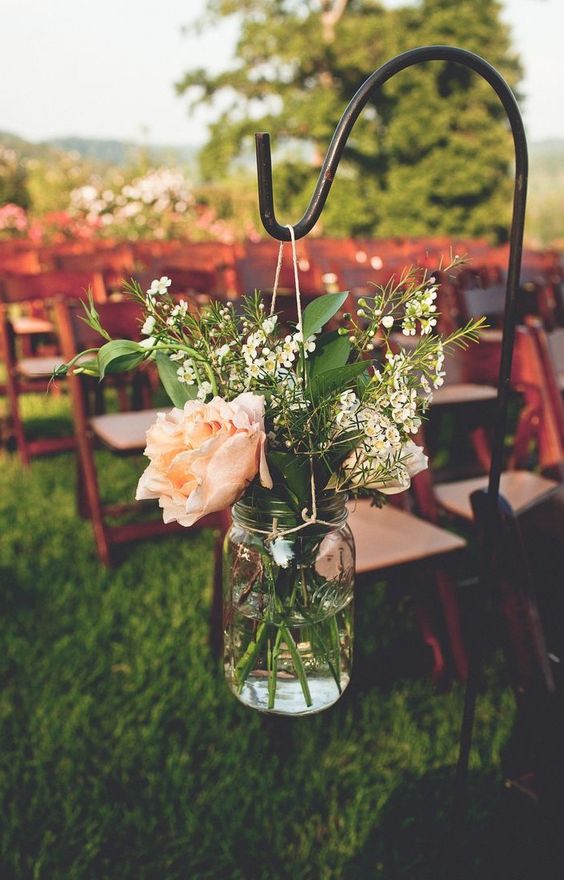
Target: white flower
(387,322)
(281,551)
(148,326)
(147,343)
(269,323)
(204,389)
(186,374)
(366,470)
(159,286)
(222,352)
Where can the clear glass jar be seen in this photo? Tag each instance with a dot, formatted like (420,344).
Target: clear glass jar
(288,606)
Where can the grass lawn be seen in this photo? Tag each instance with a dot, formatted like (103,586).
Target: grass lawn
(124,756)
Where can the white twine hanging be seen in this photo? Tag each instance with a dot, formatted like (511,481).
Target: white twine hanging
(308,519)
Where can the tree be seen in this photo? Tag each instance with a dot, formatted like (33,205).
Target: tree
(429,155)
(13,179)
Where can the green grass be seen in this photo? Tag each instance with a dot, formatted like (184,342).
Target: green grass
(124,756)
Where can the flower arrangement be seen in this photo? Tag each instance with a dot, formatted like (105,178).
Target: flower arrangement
(284,420)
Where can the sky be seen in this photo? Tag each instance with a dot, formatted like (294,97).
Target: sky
(106,69)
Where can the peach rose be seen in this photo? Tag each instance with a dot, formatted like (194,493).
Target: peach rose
(204,456)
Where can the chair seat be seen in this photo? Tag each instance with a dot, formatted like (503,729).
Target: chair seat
(124,432)
(28,326)
(38,367)
(463,392)
(520,488)
(387,537)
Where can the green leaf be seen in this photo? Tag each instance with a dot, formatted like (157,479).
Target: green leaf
(119,356)
(333,380)
(90,368)
(331,351)
(321,310)
(92,317)
(295,472)
(178,392)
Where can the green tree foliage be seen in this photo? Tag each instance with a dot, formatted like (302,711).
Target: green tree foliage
(431,154)
(13,179)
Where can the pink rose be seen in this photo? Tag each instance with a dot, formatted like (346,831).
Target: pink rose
(204,456)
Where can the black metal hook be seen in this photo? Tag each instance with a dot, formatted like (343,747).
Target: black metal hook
(329,169)
(321,191)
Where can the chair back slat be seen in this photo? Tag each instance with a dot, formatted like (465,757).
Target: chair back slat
(50,285)
(122,319)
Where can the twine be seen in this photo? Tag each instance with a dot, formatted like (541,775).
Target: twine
(308,520)
(277,277)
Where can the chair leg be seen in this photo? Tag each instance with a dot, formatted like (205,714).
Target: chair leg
(81,497)
(16,420)
(216,617)
(88,470)
(481,446)
(446,590)
(428,630)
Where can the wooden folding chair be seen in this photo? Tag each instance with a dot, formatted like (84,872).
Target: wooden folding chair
(115,265)
(256,266)
(537,423)
(523,562)
(393,542)
(122,433)
(202,268)
(31,374)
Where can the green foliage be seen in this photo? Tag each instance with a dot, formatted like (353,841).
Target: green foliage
(430,155)
(51,179)
(13,179)
(320,310)
(332,350)
(119,356)
(177,392)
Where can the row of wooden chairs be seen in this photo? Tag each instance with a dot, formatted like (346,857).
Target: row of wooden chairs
(229,270)
(434,546)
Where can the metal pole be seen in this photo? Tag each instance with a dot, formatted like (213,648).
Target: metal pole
(310,217)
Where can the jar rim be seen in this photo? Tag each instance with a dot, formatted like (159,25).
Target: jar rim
(252,512)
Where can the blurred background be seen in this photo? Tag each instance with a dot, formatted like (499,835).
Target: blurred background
(99,96)
(127,149)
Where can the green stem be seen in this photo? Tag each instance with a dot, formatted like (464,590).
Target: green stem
(248,659)
(335,649)
(297,660)
(273,669)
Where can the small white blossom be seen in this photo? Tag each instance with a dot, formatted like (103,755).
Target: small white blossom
(148,326)
(159,286)
(186,374)
(204,390)
(269,324)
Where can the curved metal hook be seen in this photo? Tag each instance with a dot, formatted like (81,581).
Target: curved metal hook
(329,169)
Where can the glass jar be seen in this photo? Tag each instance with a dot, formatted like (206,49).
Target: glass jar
(288,606)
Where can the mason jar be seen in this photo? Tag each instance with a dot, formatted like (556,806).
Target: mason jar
(288,605)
